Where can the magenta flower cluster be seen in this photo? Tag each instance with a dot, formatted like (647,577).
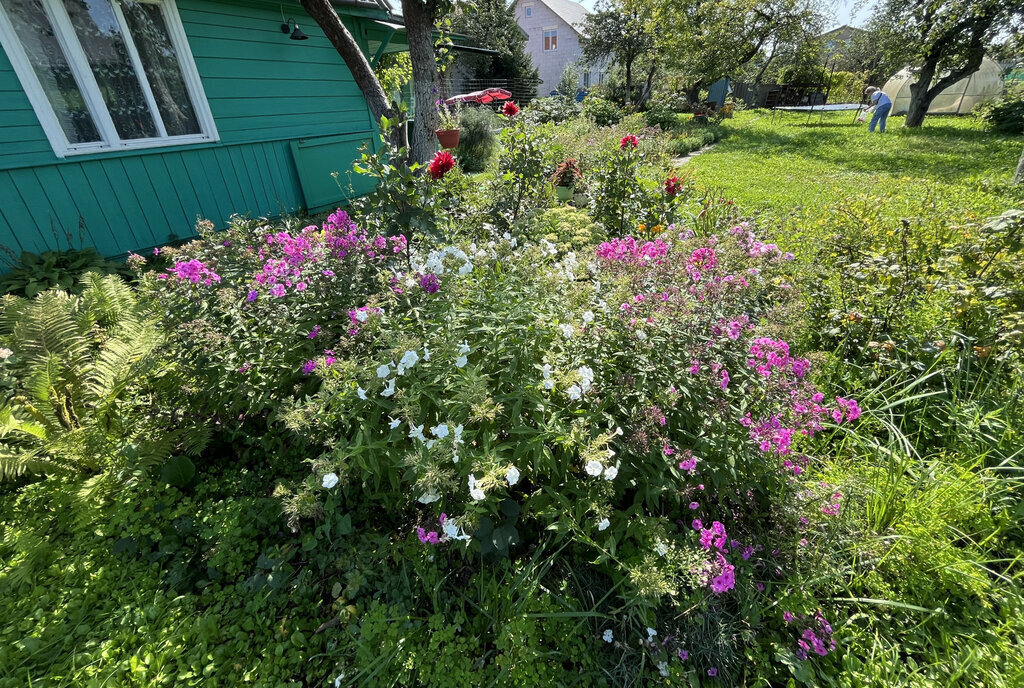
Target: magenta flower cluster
(628,250)
(194,271)
(295,262)
(815,634)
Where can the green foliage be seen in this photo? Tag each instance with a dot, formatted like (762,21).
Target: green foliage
(570,229)
(81,372)
(60,269)
(394,71)
(521,179)
(551,109)
(661,115)
(1006,115)
(569,82)
(477,141)
(603,112)
(404,200)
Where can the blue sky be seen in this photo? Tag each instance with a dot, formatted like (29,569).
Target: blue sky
(853,12)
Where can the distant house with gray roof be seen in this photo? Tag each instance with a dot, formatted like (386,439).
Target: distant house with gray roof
(554,40)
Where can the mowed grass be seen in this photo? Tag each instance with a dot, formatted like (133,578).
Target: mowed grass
(789,167)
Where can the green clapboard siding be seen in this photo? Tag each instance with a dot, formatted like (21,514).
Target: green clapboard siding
(287,113)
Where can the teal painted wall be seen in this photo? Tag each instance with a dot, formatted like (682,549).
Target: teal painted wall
(265,91)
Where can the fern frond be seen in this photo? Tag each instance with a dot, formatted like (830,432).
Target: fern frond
(125,357)
(108,298)
(196,439)
(15,463)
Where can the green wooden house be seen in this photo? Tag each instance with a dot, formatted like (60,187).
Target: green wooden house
(124,121)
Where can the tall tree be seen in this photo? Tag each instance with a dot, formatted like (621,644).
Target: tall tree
(420,17)
(710,39)
(492,24)
(944,41)
(620,32)
(337,33)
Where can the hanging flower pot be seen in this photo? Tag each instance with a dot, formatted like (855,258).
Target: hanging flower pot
(448,138)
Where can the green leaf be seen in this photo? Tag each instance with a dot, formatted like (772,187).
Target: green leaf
(178,471)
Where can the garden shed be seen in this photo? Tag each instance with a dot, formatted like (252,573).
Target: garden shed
(123,121)
(984,85)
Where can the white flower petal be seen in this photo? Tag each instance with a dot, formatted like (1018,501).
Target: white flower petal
(594,467)
(330,480)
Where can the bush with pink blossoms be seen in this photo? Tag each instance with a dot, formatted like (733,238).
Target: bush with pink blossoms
(532,406)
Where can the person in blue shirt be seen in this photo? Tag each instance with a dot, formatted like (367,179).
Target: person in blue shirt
(881,105)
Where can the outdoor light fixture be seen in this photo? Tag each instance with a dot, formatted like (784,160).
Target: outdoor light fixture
(297,34)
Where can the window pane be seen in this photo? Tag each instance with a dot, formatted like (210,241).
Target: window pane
(100,36)
(35,32)
(160,62)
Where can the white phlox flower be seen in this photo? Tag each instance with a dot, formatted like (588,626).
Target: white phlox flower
(416,433)
(389,389)
(395,422)
(361,393)
(383,370)
(641,335)
(586,378)
(603,525)
(426,354)
(546,371)
(409,359)
(429,444)
(464,348)
(567,330)
(440,431)
(594,467)
(457,432)
(574,392)
(330,480)
(474,491)
(661,548)
(611,472)
(461,362)
(512,476)
(428,497)
(607,636)
(466,268)
(588,317)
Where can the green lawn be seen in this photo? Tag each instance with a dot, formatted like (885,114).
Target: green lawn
(788,165)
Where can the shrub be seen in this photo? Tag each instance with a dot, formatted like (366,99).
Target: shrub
(551,109)
(517,414)
(522,177)
(604,112)
(660,115)
(477,140)
(1005,115)
(567,173)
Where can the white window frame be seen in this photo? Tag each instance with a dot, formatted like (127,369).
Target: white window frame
(553,30)
(586,79)
(110,141)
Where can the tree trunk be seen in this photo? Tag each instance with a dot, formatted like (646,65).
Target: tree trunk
(1019,177)
(693,94)
(919,100)
(629,81)
(324,15)
(419,26)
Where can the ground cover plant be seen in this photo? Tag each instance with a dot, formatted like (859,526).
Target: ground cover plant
(670,431)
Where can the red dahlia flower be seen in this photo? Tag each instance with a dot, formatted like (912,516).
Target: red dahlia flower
(441,165)
(510,109)
(672,186)
(629,141)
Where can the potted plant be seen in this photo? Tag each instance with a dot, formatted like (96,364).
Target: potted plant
(565,177)
(448,125)
(700,114)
